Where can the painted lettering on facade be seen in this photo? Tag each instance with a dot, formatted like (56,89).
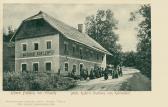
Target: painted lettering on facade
(38,53)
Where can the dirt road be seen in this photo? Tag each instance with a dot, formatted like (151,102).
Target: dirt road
(131,80)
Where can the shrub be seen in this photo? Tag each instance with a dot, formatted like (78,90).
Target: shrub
(20,81)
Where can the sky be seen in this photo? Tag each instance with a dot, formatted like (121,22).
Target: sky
(74,14)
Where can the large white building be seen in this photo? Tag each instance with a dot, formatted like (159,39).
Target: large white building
(43,43)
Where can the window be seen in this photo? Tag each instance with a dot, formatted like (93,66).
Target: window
(97,55)
(35,67)
(24,47)
(48,66)
(87,53)
(48,44)
(24,67)
(66,67)
(102,58)
(73,49)
(66,48)
(91,53)
(80,52)
(74,68)
(35,46)
(80,67)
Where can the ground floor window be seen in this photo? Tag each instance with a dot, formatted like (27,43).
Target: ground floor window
(48,66)
(66,66)
(24,67)
(35,67)
(74,68)
(80,67)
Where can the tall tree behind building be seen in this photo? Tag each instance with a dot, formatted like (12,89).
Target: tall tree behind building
(101,28)
(7,36)
(143,62)
(8,50)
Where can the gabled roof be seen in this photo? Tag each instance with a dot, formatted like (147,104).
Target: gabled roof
(69,32)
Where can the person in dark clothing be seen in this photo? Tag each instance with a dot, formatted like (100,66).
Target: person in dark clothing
(113,74)
(116,72)
(120,71)
(73,74)
(95,72)
(81,74)
(106,74)
(85,74)
(102,72)
(91,76)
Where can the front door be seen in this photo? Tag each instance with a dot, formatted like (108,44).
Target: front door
(80,68)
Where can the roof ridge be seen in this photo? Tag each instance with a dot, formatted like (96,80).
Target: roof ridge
(69,31)
(79,33)
(39,13)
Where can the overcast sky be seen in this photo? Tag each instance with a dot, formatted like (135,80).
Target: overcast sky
(74,14)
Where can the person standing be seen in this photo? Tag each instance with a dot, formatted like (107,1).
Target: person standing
(105,74)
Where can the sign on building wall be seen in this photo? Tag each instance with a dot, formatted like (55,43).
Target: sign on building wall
(38,53)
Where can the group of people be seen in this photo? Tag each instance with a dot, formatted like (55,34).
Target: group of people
(115,72)
(98,72)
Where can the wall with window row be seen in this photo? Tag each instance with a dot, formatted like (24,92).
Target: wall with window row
(19,59)
(74,61)
(41,64)
(81,51)
(42,45)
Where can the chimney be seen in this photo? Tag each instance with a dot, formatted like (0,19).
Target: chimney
(80,28)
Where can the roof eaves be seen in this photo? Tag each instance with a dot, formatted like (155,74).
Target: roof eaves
(90,46)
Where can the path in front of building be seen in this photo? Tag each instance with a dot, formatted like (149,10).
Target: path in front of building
(132,80)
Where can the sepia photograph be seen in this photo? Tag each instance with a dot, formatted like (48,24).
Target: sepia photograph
(77,47)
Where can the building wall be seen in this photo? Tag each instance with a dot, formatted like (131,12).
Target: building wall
(89,56)
(30,55)
(75,61)
(41,61)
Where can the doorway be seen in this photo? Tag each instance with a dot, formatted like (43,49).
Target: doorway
(80,68)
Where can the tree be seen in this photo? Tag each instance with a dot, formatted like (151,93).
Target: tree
(129,59)
(101,28)
(10,33)
(143,62)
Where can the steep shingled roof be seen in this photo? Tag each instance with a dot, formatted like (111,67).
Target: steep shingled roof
(69,32)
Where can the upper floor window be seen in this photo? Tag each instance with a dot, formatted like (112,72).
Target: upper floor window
(66,48)
(91,54)
(87,53)
(80,53)
(48,44)
(97,55)
(102,58)
(24,47)
(73,48)
(36,46)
